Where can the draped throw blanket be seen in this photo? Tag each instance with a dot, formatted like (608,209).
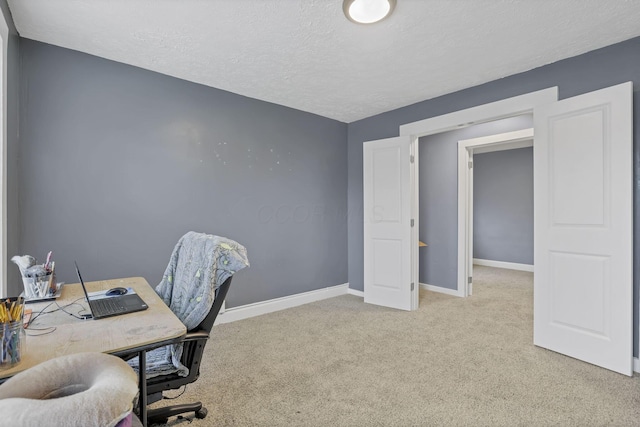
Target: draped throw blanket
(199,264)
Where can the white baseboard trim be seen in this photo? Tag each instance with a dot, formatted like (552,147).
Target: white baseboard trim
(440,289)
(256,309)
(502,264)
(636,364)
(355,292)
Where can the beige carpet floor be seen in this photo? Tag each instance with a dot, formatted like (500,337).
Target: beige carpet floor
(453,362)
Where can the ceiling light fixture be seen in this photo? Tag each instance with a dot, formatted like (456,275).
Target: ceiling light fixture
(367,11)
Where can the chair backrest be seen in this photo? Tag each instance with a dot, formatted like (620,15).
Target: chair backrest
(210,319)
(197,260)
(193,348)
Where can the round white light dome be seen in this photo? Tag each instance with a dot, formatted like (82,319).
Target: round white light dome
(368,11)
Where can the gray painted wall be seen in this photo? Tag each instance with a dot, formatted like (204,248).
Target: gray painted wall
(438,204)
(503,206)
(13,91)
(118,162)
(585,73)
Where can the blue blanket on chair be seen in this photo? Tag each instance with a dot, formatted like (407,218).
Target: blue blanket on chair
(199,264)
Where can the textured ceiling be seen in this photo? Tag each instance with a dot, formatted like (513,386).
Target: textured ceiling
(306,55)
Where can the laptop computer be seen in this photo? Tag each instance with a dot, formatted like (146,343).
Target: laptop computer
(113,305)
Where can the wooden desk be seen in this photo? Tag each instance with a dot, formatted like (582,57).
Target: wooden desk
(119,335)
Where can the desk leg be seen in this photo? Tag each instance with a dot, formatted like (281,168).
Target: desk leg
(142,375)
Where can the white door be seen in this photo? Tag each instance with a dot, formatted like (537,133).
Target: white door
(387,224)
(583,291)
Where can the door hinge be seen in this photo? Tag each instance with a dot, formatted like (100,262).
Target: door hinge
(413,222)
(470,164)
(469,279)
(412,285)
(412,158)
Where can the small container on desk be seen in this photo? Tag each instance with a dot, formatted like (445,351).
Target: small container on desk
(12,335)
(41,287)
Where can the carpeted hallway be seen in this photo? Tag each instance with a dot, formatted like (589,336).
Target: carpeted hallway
(453,362)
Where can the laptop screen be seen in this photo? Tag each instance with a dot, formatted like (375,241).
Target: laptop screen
(84,288)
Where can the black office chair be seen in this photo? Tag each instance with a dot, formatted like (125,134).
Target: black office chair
(193,350)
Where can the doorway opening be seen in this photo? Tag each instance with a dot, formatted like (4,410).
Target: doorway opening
(480,115)
(442,196)
(498,246)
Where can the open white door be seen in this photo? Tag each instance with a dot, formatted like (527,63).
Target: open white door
(387,224)
(583,289)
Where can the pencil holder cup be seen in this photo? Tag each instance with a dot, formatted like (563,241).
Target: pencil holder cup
(12,343)
(41,286)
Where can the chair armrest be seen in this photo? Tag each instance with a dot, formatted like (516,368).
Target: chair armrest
(190,336)
(196,335)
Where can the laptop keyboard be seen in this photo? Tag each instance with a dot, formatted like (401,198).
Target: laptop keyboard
(107,306)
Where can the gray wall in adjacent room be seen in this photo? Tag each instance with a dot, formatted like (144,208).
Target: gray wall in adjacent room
(13,94)
(503,206)
(585,73)
(118,162)
(438,204)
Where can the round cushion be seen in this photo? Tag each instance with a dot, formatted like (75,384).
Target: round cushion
(83,389)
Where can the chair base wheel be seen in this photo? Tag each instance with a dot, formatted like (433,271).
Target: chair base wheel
(161,415)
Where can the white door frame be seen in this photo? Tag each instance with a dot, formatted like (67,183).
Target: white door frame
(510,107)
(466,149)
(4,43)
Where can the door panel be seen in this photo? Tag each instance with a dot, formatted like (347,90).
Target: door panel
(387,223)
(583,287)
(578,283)
(579,134)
